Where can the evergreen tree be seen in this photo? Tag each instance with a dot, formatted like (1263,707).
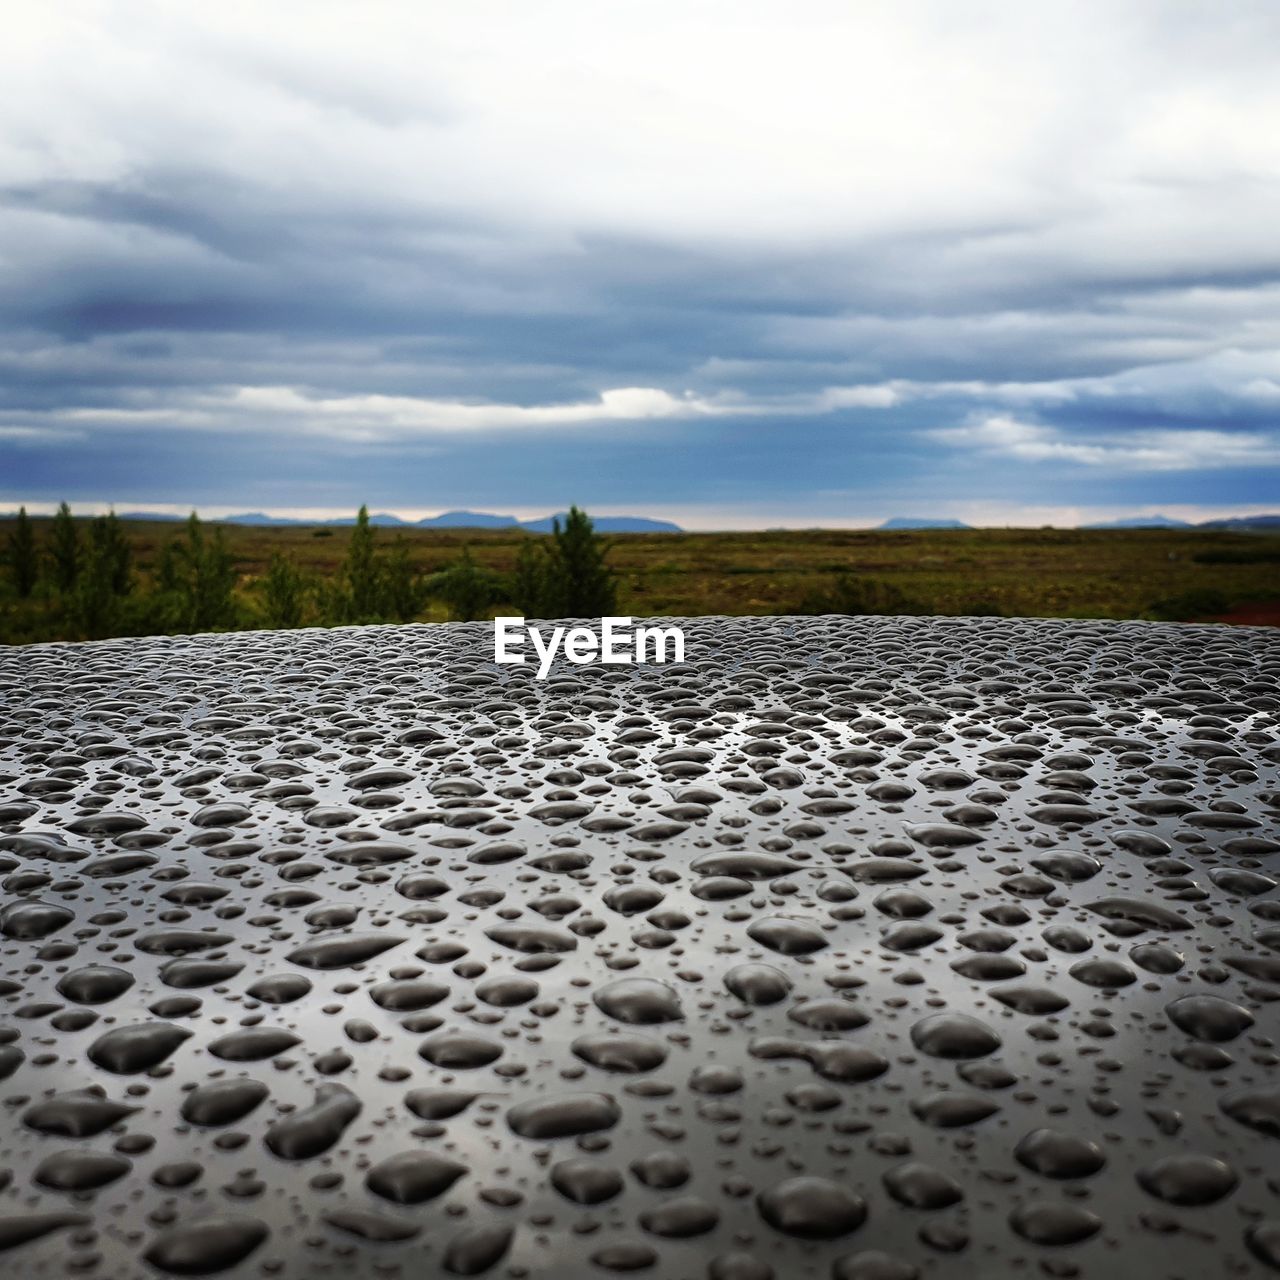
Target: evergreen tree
(94,606)
(360,572)
(579,583)
(116,554)
(23,562)
(168,574)
(284,592)
(528,589)
(399,590)
(64,550)
(200,571)
(215,582)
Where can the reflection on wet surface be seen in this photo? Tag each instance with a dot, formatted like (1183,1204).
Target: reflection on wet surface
(852,948)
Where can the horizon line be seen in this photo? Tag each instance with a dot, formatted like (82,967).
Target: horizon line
(689,519)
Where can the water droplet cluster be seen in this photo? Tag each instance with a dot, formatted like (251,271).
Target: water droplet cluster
(854,948)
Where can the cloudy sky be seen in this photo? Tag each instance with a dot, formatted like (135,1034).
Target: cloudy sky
(736,264)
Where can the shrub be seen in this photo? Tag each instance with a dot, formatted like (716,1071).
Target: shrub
(466,588)
(857,596)
(1199,602)
(1267,553)
(979,607)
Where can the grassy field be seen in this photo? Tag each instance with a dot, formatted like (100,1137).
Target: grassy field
(1014,572)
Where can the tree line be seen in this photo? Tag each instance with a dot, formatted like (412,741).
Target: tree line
(83,582)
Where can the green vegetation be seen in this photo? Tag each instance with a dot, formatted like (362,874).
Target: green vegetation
(197,575)
(856,597)
(565,576)
(195,581)
(1199,602)
(284,594)
(468,589)
(64,550)
(100,581)
(1267,551)
(70,578)
(23,564)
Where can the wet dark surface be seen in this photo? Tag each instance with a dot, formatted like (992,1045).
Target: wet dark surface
(857,948)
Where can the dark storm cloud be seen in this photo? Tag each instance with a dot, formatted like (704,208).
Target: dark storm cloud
(917,265)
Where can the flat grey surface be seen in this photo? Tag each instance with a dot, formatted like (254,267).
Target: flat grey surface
(853,948)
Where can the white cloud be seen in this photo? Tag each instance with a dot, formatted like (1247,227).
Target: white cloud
(1154,449)
(405,224)
(372,418)
(372,414)
(716,122)
(1244,378)
(16,434)
(848,154)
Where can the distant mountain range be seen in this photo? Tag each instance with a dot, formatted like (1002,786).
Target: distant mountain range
(467,520)
(1245,524)
(1238,524)
(1268,523)
(922,522)
(447,520)
(1141,522)
(607,524)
